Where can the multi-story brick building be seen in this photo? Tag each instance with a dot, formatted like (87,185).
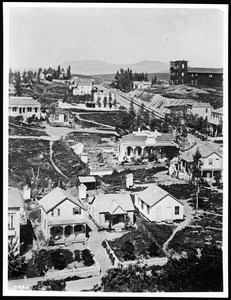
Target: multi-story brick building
(180,73)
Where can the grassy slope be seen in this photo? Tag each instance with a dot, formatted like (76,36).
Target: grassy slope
(26,154)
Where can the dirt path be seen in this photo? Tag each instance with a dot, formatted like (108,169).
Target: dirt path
(188,211)
(53,164)
(94,122)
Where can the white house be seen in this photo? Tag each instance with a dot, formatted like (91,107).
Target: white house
(211,160)
(118,208)
(63,217)
(203,110)
(141,84)
(142,143)
(158,205)
(24,106)
(15,214)
(216,120)
(61,117)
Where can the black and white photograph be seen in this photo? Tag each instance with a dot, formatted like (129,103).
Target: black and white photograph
(115,149)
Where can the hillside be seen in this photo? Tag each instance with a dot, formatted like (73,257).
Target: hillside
(94,67)
(160,99)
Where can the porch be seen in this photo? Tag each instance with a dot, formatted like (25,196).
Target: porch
(67,233)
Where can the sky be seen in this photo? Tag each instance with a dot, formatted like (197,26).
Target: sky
(45,36)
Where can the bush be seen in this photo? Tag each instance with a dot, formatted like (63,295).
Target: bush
(153,249)
(87,258)
(61,258)
(128,250)
(77,255)
(50,285)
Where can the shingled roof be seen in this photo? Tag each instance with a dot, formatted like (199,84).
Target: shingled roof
(57,196)
(206,70)
(153,194)
(23,101)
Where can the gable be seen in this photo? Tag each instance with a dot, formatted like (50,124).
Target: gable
(167,198)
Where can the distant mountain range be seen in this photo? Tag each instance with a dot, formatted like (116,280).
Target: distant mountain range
(94,67)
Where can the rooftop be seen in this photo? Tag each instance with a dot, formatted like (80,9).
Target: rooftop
(84,179)
(113,202)
(205,148)
(23,101)
(55,197)
(201,104)
(134,138)
(218,110)
(206,70)
(153,194)
(165,137)
(14,197)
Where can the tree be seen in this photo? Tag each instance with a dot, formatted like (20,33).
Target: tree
(130,279)
(196,173)
(38,76)
(187,274)
(50,285)
(17,265)
(69,72)
(131,111)
(18,86)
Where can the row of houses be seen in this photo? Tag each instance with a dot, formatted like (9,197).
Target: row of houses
(65,214)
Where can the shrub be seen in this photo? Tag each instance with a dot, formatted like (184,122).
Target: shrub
(104,244)
(61,258)
(50,285)
(42,261)
(77,255)
(153,249)
(128,250)
(87,258)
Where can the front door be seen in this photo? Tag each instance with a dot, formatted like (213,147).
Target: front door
(158,214)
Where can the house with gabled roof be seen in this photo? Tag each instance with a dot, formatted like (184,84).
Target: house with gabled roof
(158,205)
(63,217)
(211,160)
(114,208)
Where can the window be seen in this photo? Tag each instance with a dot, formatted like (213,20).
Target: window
(206,110)
(142,204)
(192,82)
(210,161)
(182,66)
(195,75)
(210,75)
(192,75)
(23,110)
(36,109)
(52,213)
(14,108)
(29,108)
(148,209)
(11,222)
(195,82)
(76,211)
(182,74)
(177,210)
(58,212)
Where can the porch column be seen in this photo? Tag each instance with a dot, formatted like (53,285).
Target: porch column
(63,231)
